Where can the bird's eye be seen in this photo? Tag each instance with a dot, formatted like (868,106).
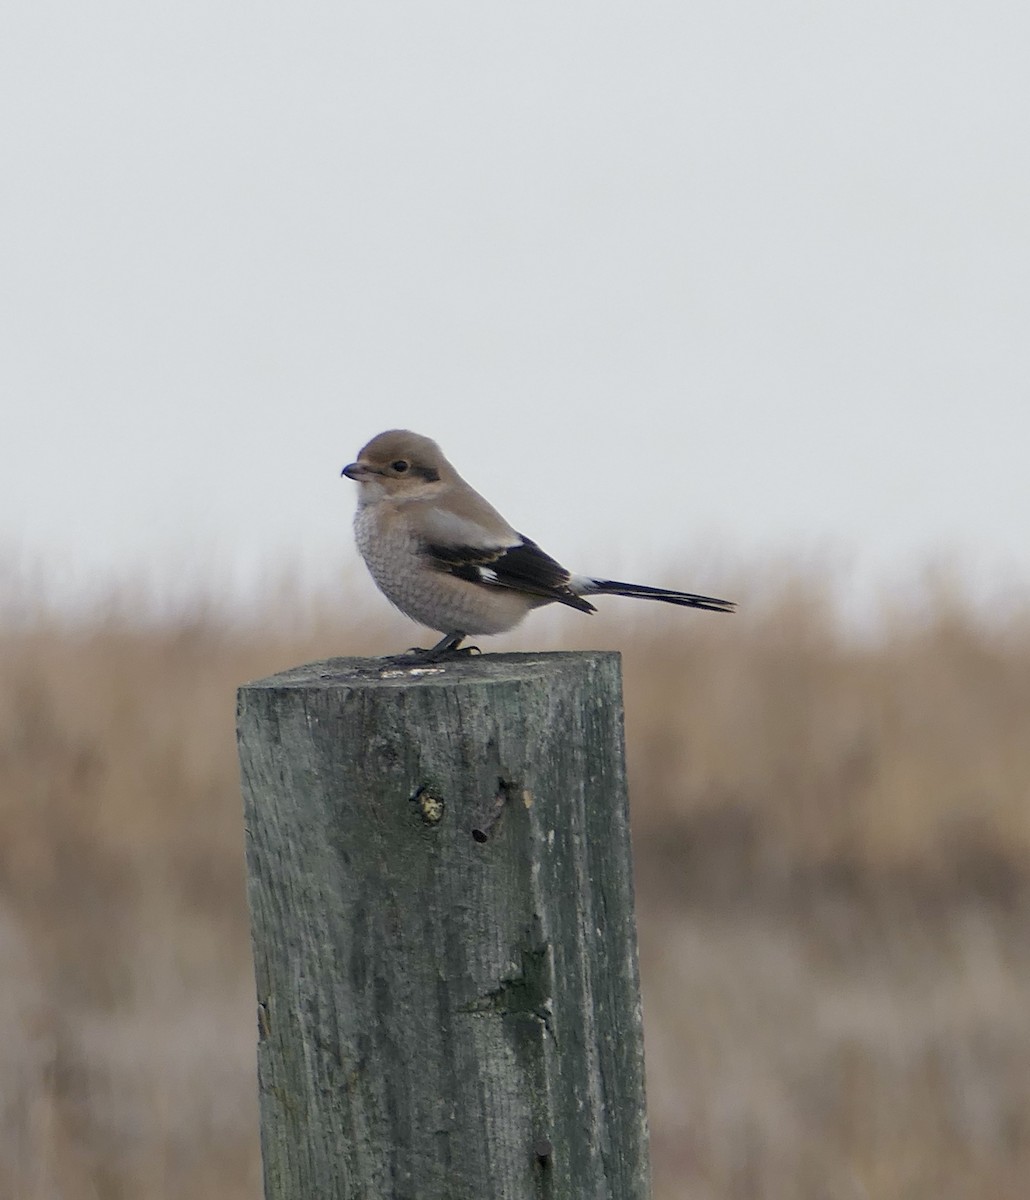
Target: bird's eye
(400,466)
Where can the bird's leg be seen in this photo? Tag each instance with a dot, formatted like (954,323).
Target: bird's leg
(450,644)
(447,643)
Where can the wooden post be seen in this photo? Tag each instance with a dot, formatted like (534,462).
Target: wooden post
(444,941)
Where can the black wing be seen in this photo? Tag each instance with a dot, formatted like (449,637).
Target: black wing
(523,567)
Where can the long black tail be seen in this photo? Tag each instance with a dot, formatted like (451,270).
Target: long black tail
(612,587)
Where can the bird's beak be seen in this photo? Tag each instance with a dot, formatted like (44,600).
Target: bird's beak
(356,471)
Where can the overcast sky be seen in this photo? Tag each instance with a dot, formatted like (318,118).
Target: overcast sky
(657,276)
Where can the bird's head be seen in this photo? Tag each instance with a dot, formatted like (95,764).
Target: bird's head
(398,463)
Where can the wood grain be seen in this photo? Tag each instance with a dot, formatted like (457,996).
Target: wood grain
(444,940)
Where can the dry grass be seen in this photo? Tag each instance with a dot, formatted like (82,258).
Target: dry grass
(832,855)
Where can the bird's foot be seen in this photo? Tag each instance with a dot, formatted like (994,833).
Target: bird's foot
(448,647)
(417,655)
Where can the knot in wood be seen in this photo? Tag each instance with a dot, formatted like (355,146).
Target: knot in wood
(430,807)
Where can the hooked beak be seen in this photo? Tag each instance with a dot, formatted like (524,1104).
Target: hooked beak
(357,471)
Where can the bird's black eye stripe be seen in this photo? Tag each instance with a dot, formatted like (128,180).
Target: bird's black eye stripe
(403,466)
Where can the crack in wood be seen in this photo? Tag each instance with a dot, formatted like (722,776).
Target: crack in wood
(491,812)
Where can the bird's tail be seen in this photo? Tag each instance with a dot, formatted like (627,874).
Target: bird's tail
(612,587)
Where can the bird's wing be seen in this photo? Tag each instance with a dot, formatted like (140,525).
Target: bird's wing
(521,566)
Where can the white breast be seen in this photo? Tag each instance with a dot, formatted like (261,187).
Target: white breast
(426,594)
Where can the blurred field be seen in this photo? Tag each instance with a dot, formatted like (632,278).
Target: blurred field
(833,859)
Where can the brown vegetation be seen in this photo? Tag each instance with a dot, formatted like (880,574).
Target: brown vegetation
(832,841)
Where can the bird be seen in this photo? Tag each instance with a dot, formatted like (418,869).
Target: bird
(446,557)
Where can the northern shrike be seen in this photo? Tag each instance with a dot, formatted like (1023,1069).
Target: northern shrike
(449,560)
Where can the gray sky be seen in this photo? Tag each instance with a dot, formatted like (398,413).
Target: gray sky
(742,275)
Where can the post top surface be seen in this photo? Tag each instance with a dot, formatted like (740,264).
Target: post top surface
(394,671)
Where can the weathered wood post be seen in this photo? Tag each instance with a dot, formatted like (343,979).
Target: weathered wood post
(442,905)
